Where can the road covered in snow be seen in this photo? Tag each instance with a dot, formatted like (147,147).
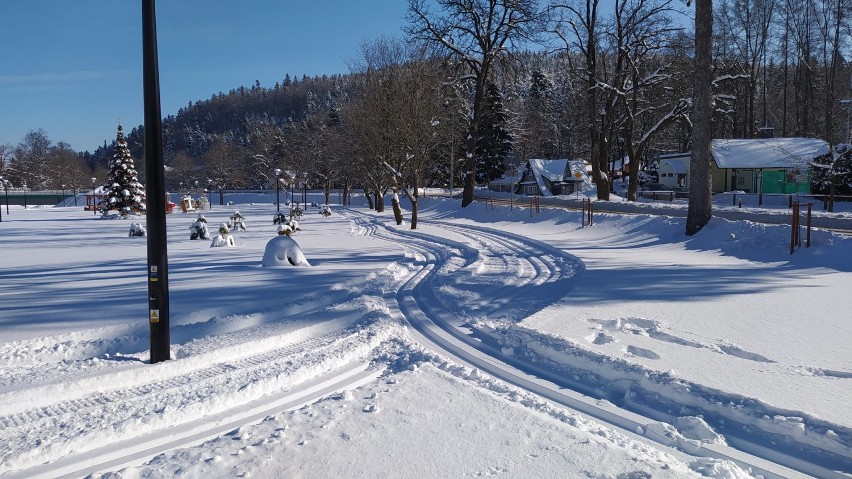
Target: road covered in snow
(485,342)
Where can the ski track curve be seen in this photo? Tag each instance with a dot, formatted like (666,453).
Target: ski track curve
(440,319)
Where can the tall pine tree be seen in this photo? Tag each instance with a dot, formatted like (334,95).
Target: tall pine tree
(540,135)
(495,141)
(122,189)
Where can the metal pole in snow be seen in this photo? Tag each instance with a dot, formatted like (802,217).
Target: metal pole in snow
(155,191)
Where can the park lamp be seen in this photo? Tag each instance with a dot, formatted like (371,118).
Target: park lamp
(6,184)
(278,190)
(94,198)
(305,189)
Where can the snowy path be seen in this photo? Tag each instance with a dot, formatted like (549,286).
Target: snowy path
(434,302)
(221,382)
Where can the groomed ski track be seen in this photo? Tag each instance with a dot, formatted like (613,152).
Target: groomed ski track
(444,328)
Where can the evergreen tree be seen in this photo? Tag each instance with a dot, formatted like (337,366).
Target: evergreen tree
(495,141)
(541,126)
(122,189)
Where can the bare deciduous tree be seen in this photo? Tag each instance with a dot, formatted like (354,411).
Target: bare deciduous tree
(477,33)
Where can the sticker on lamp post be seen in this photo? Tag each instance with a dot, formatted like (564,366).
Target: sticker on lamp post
(155,315)
(152,277)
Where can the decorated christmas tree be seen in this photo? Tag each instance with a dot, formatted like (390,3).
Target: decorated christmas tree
(123,191)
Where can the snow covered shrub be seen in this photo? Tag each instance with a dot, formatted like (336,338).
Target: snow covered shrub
(224,237)
(237,221)
(198,229)
(283,251)
(136,229)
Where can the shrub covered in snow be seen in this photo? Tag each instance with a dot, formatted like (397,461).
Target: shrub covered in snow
(198,229)
(237,222)
(283,251)
(224,237)
(136,229)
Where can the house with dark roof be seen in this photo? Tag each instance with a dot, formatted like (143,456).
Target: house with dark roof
(541,177)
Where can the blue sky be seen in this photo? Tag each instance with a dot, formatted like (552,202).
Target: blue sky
(74,68)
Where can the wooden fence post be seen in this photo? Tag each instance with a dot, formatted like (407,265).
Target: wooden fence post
(794,223)
(808,242)
(591,212)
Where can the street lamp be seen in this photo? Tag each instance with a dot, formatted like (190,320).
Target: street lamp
(24,186)
(209,189)
(94,202)
(305,190)
(5,184)
(278,190)
(512,188)
(63,194)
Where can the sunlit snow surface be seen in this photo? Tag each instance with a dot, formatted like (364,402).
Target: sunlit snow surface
(727,323)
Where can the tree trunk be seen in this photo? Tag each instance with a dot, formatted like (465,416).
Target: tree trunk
(700,194)
(380,203)
(414,213)
(344,200)
(397,210)
(473,132)
(369,199)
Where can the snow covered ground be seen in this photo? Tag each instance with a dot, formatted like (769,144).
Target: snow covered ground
(445,351)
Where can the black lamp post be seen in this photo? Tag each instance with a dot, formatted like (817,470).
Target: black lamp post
(24,186)
(5,184)
(278,190)
(63,194)
(305,190)
(94,198)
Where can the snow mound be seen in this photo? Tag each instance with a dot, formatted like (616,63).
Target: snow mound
(283,251)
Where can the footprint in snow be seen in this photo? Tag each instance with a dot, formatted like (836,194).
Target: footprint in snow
(641,352)
(600,338)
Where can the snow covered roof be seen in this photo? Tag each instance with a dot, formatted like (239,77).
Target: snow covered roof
(677,166)
(553,170)
(767,152)
(507,180)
